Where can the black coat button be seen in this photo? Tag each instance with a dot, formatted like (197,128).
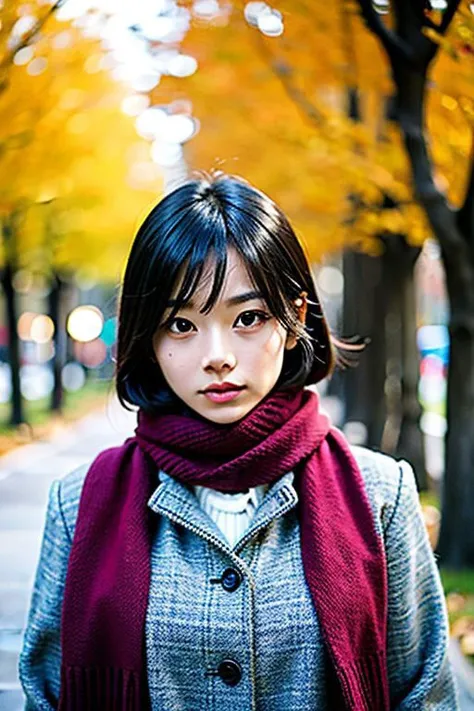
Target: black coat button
(230,672)
(231,579)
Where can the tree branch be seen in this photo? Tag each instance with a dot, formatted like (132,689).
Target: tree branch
(465,215)
(411,21)
(8,59)
(350,68)
(284,74)
(455,249)
(449,15)
(419,8)
(395,47)
(409,18)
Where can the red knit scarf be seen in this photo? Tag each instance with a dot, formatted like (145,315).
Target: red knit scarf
(106,594)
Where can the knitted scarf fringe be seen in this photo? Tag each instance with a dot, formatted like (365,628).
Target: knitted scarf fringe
(362,680)
(100,689)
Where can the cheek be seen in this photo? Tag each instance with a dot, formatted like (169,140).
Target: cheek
(273,345)
(170,359)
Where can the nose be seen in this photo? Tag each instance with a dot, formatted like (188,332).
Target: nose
(218,356)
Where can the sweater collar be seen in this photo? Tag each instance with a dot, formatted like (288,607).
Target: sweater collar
(230,503)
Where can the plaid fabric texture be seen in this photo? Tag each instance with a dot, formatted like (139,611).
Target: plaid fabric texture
(259,616)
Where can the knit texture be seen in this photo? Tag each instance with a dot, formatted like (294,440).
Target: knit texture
(109,570)
(232,513)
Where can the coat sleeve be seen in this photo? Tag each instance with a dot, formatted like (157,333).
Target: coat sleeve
(40,657)
(420,673)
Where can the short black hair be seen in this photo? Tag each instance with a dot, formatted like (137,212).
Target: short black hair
(205,217)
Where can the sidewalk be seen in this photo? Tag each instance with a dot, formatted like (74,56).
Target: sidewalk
(25,477)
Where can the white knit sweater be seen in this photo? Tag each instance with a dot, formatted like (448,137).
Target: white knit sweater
(231,512)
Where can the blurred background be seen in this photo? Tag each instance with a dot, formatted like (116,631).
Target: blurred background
(356,116)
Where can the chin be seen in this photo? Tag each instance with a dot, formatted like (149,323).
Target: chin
(225,418)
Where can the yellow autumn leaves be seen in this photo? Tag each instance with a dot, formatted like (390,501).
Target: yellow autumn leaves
(68,155)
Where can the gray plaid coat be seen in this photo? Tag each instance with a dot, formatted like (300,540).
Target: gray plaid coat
(235,628)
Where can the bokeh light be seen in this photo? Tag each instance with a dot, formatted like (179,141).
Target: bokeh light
(44,352)
(24,325)
(91,354)
(331,280)
(85,323)
(166,154)
(109,331)
(73,376)
(23,281)
(135,104)
(36,381)
(24,55)
(42,329)
(5,382)
(434,339)
(182,65)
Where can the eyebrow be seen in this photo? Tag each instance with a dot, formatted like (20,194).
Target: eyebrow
(232,301)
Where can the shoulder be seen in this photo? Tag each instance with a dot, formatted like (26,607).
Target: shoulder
(384,480)
(69,488)
(377,469)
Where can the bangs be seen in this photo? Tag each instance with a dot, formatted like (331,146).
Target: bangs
(212,264)
(252,233)
(195,255)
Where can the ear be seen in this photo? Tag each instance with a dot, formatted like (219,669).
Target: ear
(302,307)
(291,341)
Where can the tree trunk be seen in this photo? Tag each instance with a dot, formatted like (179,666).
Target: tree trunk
(411,53)
(364,315)
(410,443)
(392,324)
(402,437)
(456,541)
(56,312)
(17,414)
(382,391)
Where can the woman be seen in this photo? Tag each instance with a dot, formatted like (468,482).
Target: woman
(235,552)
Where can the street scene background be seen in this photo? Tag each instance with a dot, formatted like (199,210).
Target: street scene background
(356,117)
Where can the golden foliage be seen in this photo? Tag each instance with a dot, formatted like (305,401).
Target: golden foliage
(275,110)
(68,153)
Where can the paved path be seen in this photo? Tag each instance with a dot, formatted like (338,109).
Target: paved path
(25,477)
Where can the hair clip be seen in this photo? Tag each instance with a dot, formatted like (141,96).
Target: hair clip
(300,300)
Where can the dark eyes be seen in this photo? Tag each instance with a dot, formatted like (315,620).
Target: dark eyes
(249,319)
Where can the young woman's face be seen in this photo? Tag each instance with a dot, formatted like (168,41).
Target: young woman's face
(239,343)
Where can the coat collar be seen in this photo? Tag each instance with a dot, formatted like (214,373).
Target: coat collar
(178,502)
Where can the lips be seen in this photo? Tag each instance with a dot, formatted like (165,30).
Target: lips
(223,388)
(223,395)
